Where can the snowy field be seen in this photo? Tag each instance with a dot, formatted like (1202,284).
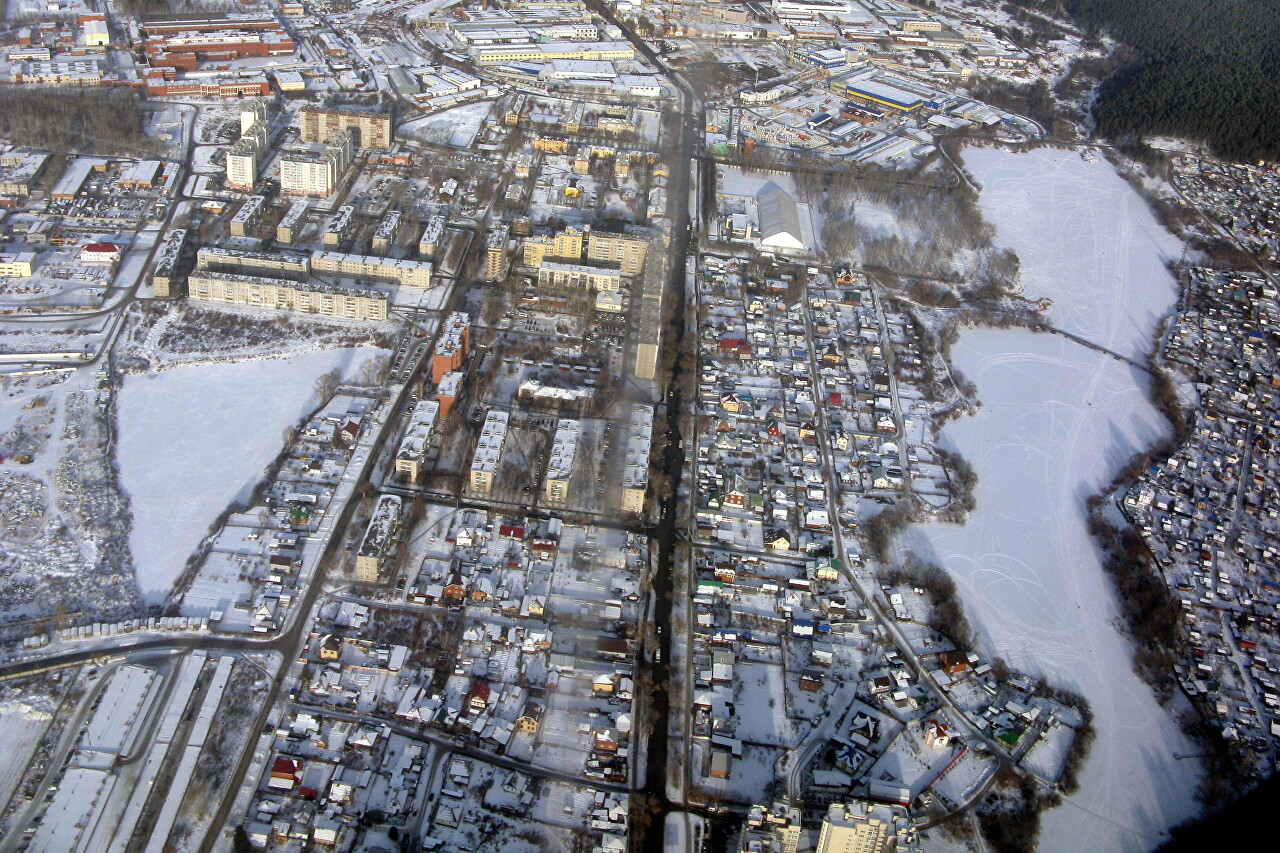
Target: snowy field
(457,126)
(1056,422)
(195,438)
(1086,240)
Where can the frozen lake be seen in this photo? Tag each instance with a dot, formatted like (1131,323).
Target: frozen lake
(1056,422)
(195,438)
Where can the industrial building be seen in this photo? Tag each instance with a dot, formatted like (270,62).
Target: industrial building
(380,538)
(17,264)
(779,220)
(163,83)
(484,465)
(564,447)
(372,129)
(19,170)
(285,295)
(417,440)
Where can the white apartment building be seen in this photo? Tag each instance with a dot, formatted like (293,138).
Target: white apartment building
(564,447)
(484,465)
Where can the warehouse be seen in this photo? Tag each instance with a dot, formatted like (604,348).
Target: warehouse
(779,220)
(883,94)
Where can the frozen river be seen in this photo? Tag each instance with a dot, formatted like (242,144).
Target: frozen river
(1056,422)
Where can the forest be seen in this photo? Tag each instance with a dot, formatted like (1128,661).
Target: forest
(1208,72)
(72,121)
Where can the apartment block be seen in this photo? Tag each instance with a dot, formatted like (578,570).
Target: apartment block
(635,475)
(380,538)
(339,225)
(626,250)
(484,465)
(242,164)
(290,226)
(373,129)
(564,448)
(317,173)
(163,278)
(451,346)
(563,246)
(387,234)
(495,253)
(578,277)
(417,440)
(431,236)
(217,259)
(284,295)
(248,216)
(373,268)
(447,390)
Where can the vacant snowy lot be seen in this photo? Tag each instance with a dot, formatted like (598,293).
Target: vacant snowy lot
(195,438)
(1056,422)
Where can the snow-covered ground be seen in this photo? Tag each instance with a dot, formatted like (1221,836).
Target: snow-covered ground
(457,126)
(1056,422)
(1086,240)
(22,724)
(195,438)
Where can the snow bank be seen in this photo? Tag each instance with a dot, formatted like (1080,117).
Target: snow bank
(195,438)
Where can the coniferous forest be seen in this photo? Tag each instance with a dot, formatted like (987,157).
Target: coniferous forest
(1207,70)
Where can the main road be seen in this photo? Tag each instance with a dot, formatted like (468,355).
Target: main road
(681,153)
